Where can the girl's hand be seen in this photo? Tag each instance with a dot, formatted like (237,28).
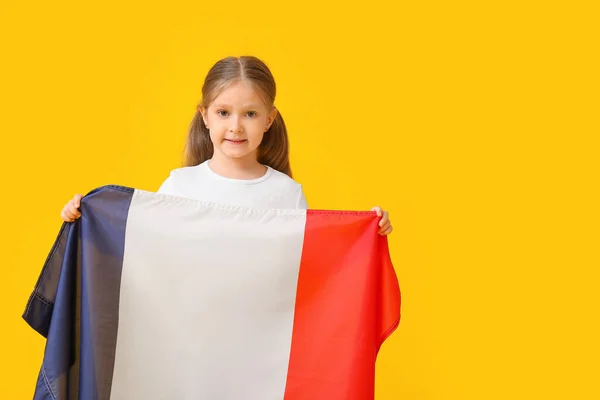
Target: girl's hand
(70,211)
(385,225)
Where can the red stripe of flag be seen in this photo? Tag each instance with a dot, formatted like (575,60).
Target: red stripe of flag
(347,304)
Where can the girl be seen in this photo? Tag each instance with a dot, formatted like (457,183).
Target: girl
(237,147)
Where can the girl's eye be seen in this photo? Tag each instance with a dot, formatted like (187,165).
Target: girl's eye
(222,113)
(251,114)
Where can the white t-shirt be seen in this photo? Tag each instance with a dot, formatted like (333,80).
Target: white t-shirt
(273,190)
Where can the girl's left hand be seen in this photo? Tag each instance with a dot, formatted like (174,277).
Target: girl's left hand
(385,225)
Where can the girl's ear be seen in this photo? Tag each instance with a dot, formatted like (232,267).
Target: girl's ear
(271,118)
(202,110)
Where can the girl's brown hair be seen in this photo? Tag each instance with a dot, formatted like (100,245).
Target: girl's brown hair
(274,148)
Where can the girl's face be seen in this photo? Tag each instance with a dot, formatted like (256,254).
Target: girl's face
(237,119)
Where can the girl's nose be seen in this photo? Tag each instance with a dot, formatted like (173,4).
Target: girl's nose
(235,126)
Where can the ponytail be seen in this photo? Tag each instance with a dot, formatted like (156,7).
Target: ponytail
(274,148)
(198,146)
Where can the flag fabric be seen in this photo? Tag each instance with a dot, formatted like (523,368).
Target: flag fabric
(150,296)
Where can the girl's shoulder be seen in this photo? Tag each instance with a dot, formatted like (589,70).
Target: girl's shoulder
(185,172)
(279,178)
(179,179)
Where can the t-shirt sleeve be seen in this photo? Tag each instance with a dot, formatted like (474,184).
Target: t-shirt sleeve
(302,203)
(167,186)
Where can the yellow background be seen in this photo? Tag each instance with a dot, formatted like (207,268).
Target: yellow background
(474,123)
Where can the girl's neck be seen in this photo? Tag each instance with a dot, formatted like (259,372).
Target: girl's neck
(233,168)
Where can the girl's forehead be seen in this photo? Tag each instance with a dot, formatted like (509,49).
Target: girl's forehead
(239,94)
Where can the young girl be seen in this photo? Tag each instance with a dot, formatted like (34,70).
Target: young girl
(237,147)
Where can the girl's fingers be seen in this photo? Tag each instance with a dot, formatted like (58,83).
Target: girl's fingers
(65,216)
(385,227)
(384,219)
(73,209)
(386,231)
(378,210)
(70,211)
(70,214)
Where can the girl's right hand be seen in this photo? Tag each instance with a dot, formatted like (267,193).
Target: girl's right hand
(70,211)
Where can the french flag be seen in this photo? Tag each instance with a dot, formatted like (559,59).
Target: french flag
(152,297)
